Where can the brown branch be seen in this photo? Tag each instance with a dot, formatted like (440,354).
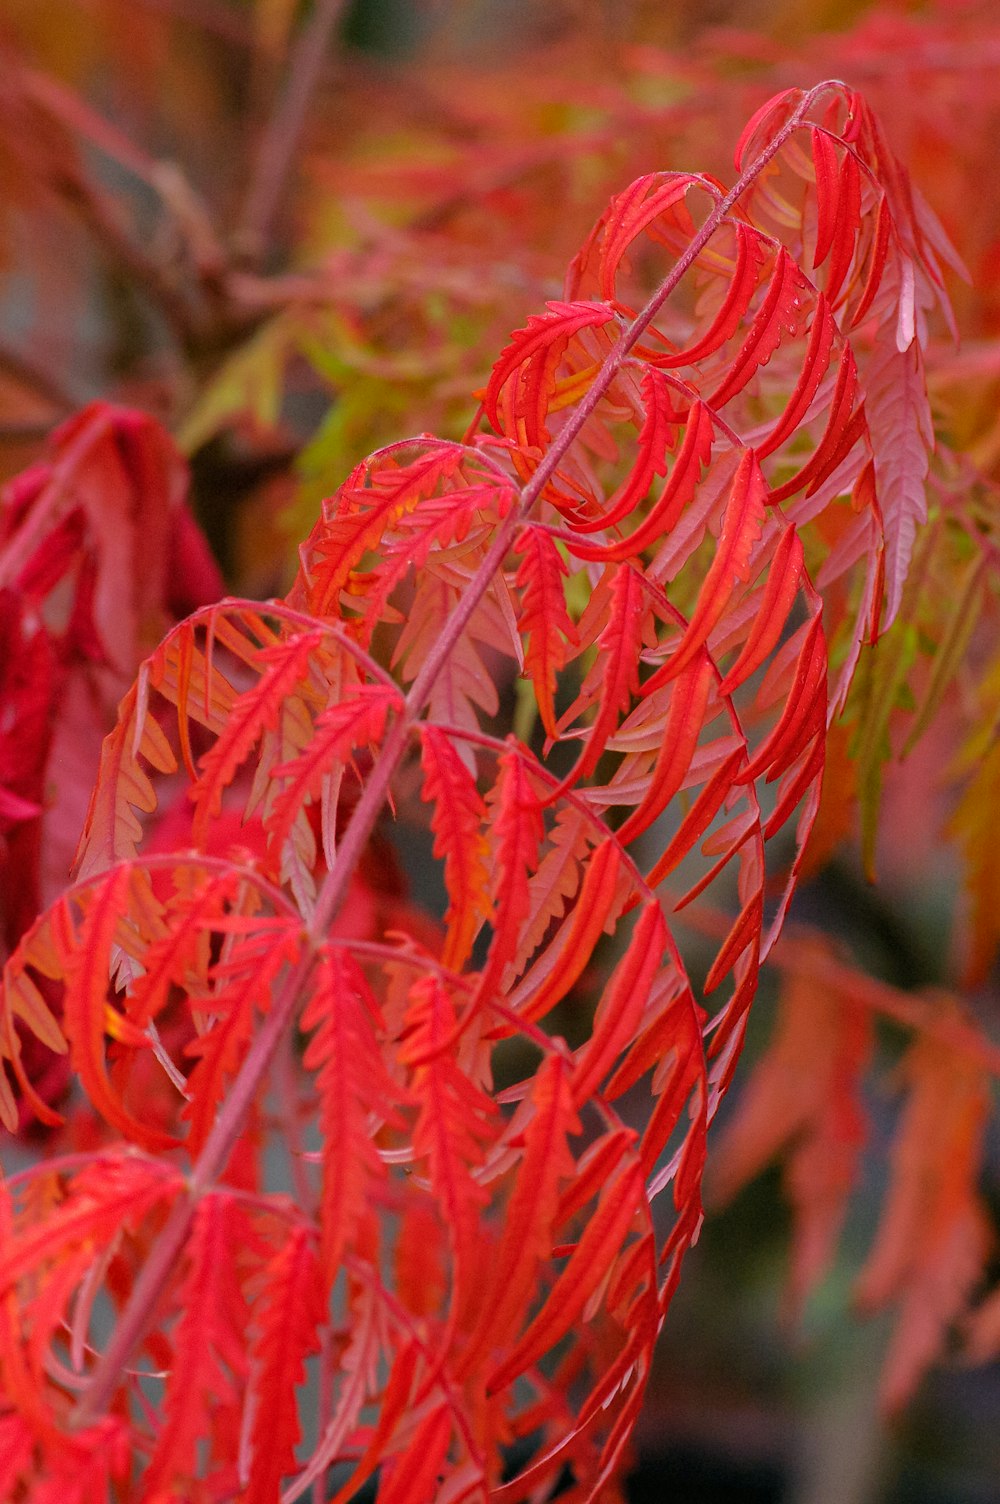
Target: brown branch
(282,133)
(178,198)
(24,431)
(26,373)
(213,16)
(74,114)
(103,221)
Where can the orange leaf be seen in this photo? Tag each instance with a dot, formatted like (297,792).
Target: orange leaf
(803,1101)
(934,1235)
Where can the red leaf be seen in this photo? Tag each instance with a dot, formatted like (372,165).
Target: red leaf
(814,367)
(744,933)
(769,112)
(111,831)
(288,1315)
(86,958)
(209,1346)
(544,619)
(934,1235)
(877,260)
(515,835)
(558,876)
(591,1262)
(94,548)
(533,357)
(699,817)
(353,1084)
(357,720)
(455,1122)
(615,678)
(804,710)
(373,498)
(777,599)
(458,814)
(803,1100)
(780,312)
(796,783)
(256,711)
(564,960)
(740,288)
(826,165)
(416,1475)
(219,1051)
(683,726)
(622,1003)
(741,525)
(672,1044)
(694,453)
(193,577)
(530,1214)
(847,225)
(902,432)
(114,1189)
(844,426)
(653,444)
(633,211)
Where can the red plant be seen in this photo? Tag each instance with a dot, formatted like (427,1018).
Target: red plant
(678,526)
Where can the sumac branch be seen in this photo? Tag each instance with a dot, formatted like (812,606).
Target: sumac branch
(688,501)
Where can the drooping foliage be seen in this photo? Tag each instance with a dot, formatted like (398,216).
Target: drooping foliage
(685,510)
(98,555)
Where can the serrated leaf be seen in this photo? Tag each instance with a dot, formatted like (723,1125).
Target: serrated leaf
(458,815)
(288,1315)
(902,433)
(533,357)
(780,313)
(589,1264)
(933,1236)
(741,525)
(544,620)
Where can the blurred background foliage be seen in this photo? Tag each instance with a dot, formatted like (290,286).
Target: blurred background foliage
(297,231)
